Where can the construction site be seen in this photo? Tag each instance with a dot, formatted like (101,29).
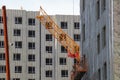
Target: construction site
(37,46)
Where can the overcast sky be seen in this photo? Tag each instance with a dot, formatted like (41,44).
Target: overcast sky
(50,6)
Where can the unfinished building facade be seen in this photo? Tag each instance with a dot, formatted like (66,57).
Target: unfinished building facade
(96,38)
(33,52)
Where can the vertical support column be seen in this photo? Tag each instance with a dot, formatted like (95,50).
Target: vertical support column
(6,43)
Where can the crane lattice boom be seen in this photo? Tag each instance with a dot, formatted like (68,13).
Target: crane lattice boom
(71,46)
(79,68)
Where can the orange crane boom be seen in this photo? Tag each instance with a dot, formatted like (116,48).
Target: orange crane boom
(73,49)
(71,46)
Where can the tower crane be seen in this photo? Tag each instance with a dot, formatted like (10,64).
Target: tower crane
(73,49)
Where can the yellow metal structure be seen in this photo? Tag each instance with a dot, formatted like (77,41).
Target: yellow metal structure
(80,68)
(71,46)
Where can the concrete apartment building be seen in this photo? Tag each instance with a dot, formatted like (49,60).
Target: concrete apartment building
(34,54)
(96,38)
(58,64)
(24,45)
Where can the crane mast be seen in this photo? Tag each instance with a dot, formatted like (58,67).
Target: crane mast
(71,46)
(6,43)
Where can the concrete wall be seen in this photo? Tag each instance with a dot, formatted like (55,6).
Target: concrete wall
(24,51)
(56,54)
(93,27)
(40,44)
(116,14)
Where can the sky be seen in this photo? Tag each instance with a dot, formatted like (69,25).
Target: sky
(52,7)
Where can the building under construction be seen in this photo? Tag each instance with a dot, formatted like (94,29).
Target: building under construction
(36,55)
(33,53)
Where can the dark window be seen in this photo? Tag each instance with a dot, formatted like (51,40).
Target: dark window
(31,79)
(18,69)
(31,57)
(31,33)
(99,74)
(105,71)
(83,3)
(2,78)
(1,32)
(16,78)
(98,9)
(2,56)
(98,43)
(84,59)
(2,68)
(76,25)
(1,19)
(49,73)
(31,45)
(75,60)
(18,44)
(83,32)
(1,44)
(48,37)
(31,21)
(49,49)
(103,5)
(48,61)
(64,73)
(16,56)
(31,70)
(104,36)
(64,25)
(17,32)
(77,37)
(62,61)
(18,20)
(63,50)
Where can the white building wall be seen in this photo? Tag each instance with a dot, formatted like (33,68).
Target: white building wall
(40,44)
(24,51)
(56,53)
(45,54)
